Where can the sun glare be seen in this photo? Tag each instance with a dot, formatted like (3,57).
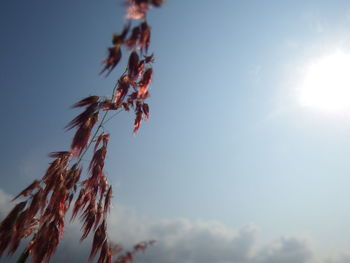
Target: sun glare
(326,85)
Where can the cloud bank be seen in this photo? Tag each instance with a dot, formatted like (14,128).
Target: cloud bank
(182,241)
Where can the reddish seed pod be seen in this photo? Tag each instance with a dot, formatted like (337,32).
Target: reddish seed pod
(123,89)
(137,9)
(133,65)
(86,101)
(98,240)
(144,83)
(135,34)
(114,56)
(145,110)
(145,37)
(118,39)
(157,3)
(29,189)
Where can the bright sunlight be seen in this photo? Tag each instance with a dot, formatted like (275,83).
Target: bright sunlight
(326,85)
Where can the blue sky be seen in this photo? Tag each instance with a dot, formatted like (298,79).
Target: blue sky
(227,141)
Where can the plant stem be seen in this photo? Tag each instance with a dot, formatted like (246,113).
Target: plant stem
(113,116)
(93,137)
(98,128)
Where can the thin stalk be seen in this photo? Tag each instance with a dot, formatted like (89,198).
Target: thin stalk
(98,127)
(115,114)
(93,137)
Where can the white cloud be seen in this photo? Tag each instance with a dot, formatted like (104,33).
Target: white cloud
(180,240)
(286,250)
(342,258)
